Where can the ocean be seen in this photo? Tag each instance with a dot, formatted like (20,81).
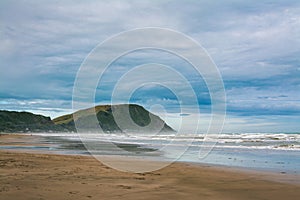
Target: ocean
(278,152)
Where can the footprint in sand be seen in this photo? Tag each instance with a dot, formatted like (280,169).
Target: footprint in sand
(125,187)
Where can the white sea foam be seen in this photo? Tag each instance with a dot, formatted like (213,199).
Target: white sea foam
(276,141)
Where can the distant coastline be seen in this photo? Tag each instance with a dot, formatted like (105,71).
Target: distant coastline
(24,122)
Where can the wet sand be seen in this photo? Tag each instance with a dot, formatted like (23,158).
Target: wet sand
(47,176)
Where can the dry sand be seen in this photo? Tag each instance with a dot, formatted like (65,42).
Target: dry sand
(46,176)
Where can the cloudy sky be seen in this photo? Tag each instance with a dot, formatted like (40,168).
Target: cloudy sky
(254,44)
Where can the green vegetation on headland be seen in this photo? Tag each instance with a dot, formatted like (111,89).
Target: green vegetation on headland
(14,122)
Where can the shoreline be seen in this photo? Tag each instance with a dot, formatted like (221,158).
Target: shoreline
(45,146)
(261,174)
(50,176)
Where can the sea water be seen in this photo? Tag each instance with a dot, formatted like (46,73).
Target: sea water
(278,152)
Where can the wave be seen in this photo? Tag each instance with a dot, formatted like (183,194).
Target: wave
(275,141)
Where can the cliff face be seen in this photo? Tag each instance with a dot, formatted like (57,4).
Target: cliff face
(11,121)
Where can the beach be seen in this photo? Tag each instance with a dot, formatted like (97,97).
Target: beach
(150,100)
(31,175)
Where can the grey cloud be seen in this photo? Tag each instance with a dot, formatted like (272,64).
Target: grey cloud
(255,44)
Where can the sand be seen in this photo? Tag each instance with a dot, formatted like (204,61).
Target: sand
(46,176)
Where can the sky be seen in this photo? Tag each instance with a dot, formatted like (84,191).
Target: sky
(254,44)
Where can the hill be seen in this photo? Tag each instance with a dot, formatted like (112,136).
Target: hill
(104,113)
(12,121)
